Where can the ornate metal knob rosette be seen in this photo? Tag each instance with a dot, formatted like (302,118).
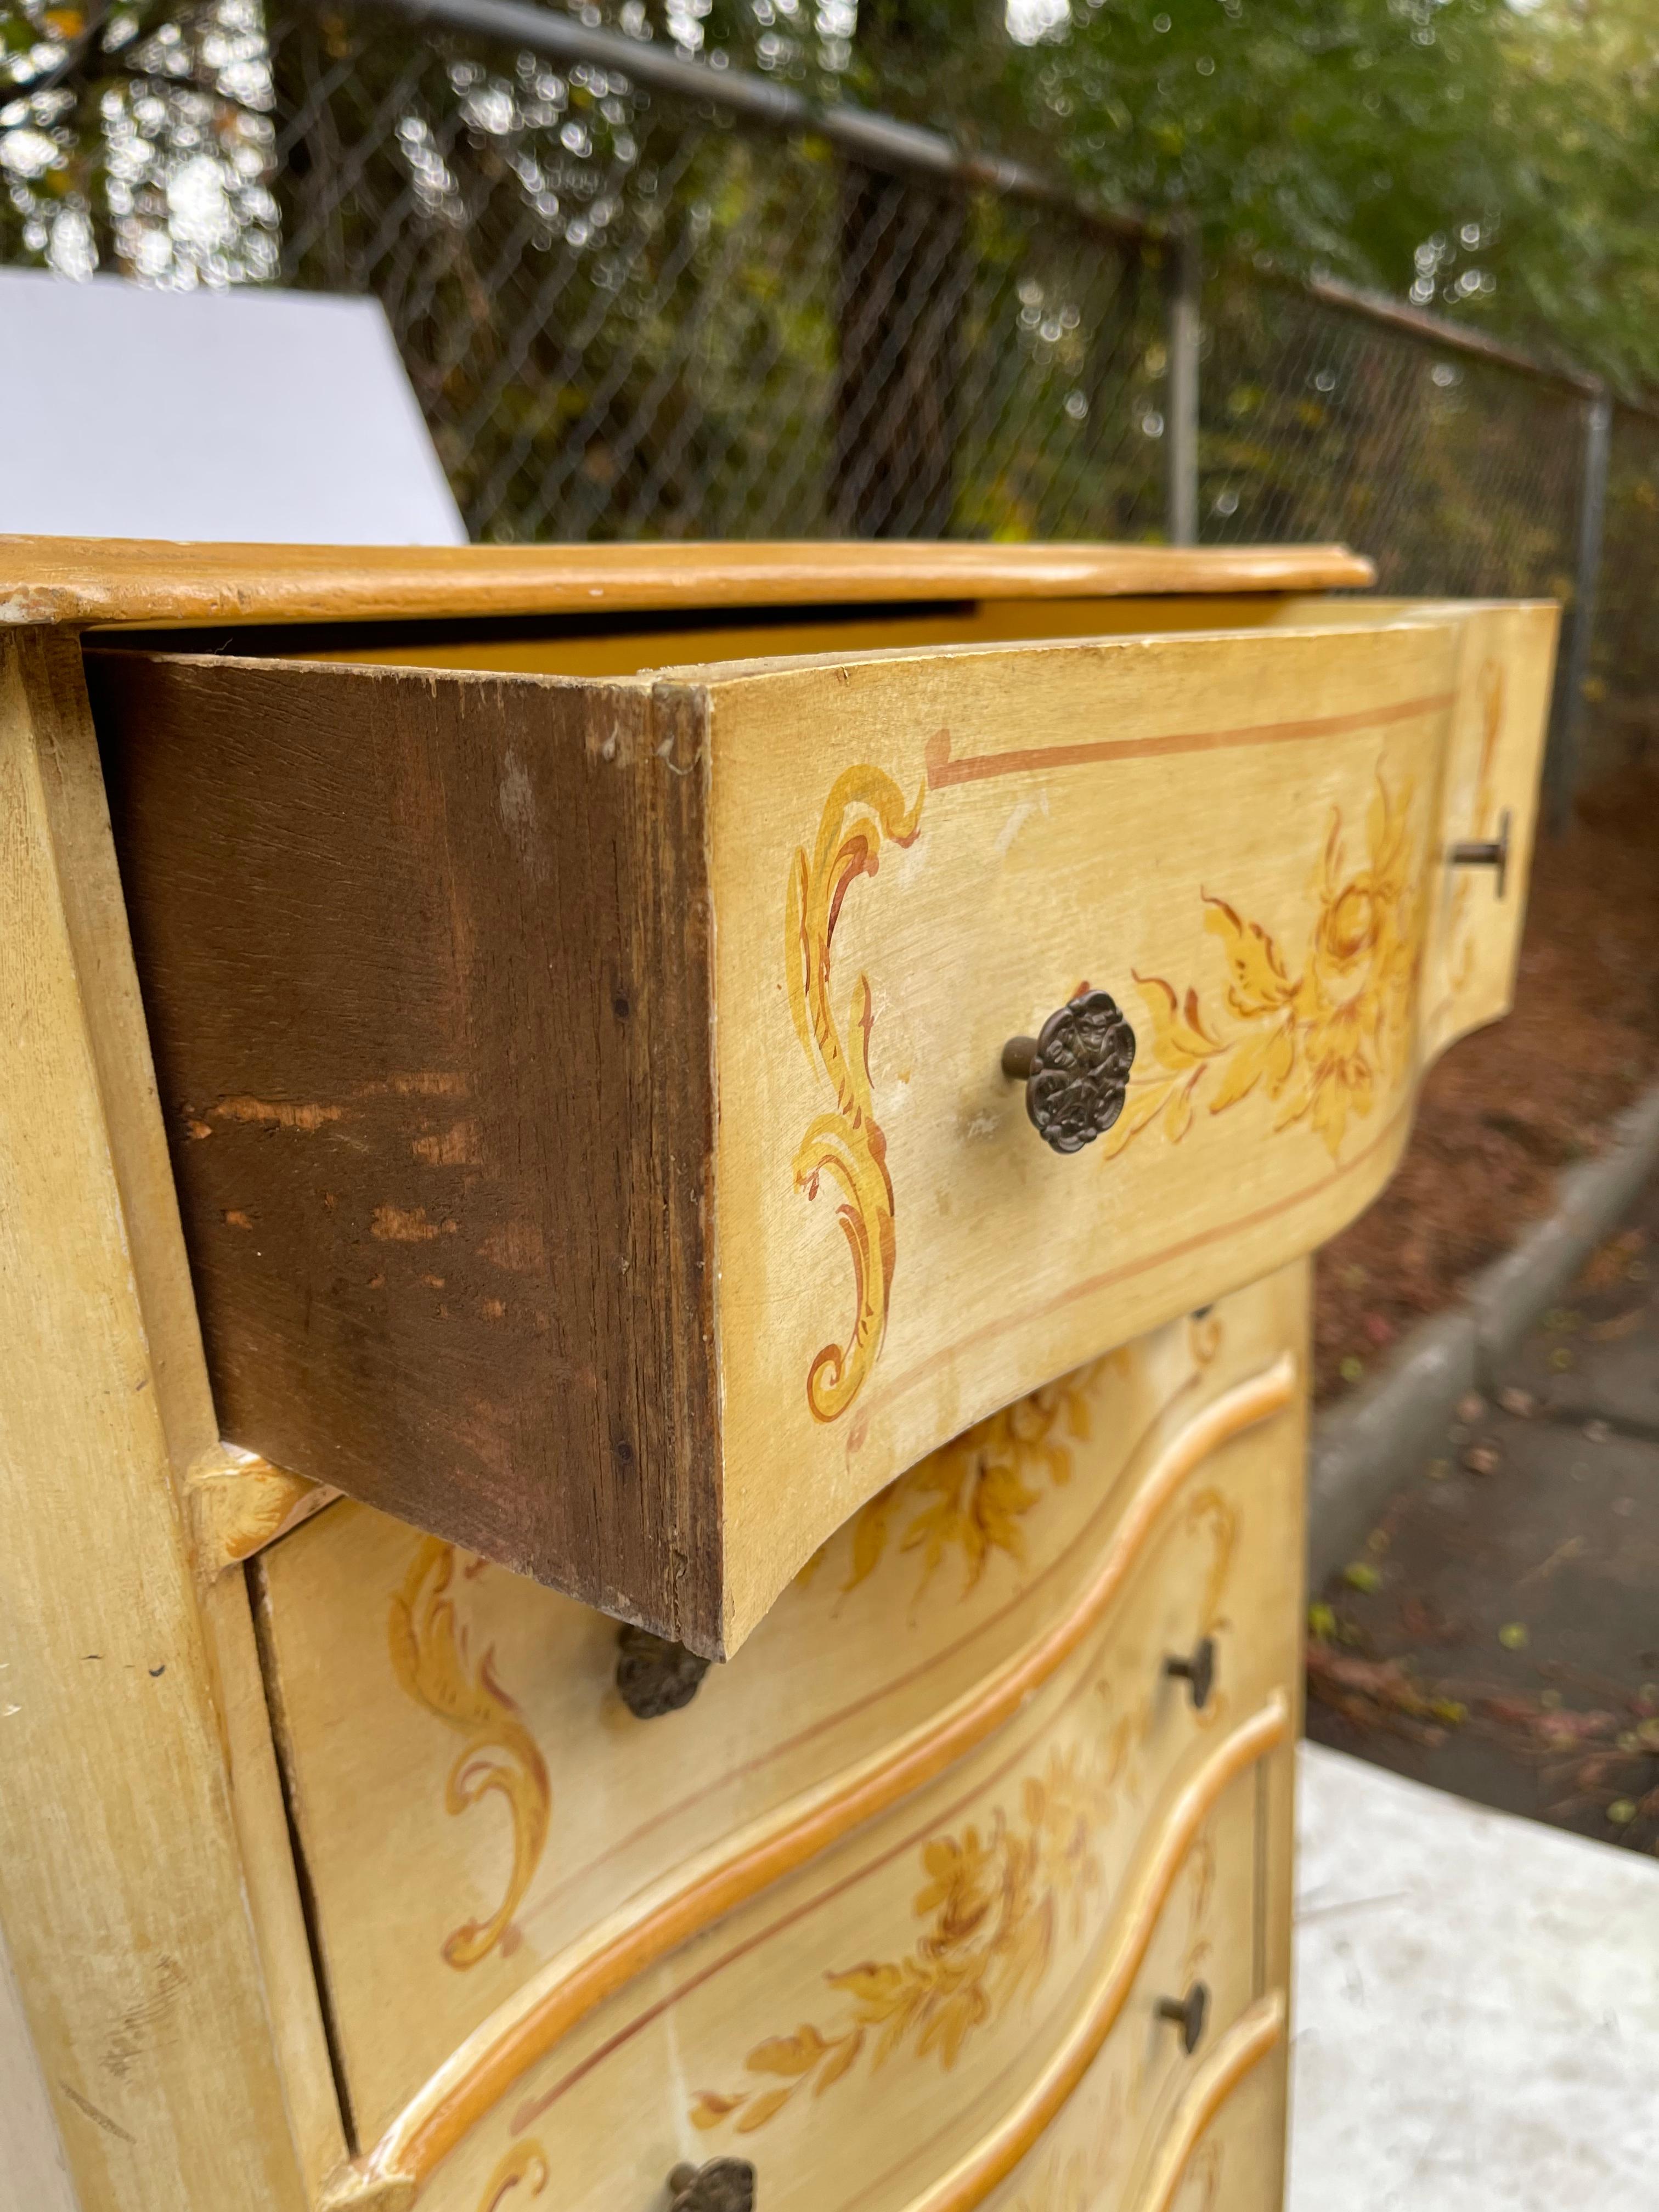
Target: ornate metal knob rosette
(726,2185)
(1076,1073)
(654,1676)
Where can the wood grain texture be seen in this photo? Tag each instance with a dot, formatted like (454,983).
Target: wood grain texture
(445,1159)
(446,973)
(122,1887)
(838,1708)
(87,581)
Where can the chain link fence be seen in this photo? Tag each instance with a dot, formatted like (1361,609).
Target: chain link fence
(632,307)
(626,316)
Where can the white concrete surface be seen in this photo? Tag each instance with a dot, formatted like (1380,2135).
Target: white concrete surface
(1476,2010)
(33,2172)
(284,418)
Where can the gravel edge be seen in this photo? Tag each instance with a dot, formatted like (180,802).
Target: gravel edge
(1361,1449)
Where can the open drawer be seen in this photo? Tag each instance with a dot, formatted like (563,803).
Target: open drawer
(586,1092)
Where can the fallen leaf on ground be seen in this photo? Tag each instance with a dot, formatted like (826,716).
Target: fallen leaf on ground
(1571,1548)
(1360,1576)
(1513,1636)
(1521,1403)
(1471,1406)
(1605,1332)
(1484,1458)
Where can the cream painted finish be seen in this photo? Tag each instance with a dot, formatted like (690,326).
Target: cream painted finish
(911,1609)
(1241,837)
(889,1907)
(147,1902)
(864,2033)
(1214,1548)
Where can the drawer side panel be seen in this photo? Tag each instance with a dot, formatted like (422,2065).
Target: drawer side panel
(425,964)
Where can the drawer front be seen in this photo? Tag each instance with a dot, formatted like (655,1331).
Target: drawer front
(1211,2137)
(885,2035)
(1240,841)
(492,1843)
(588,1101)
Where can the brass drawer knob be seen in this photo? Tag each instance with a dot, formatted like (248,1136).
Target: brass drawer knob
(1076,1071)
(654,1676)
(727,2184)
(1198,1672)
(1483,852)
(1189,2014)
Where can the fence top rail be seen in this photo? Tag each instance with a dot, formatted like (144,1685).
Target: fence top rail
(880,141)
(86,582)
(1448,336)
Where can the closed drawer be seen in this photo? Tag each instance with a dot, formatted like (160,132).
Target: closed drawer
(891,2030)
(587,1099)
(493,1844)
(1209,2136)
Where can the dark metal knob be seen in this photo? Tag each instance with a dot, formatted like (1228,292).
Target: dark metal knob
(1199,1671)
(1481,853)
(1076,1072)
(727,2185)
(1189,2014)
(654,1676)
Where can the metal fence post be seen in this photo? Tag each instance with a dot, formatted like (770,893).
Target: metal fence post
(1567,719)
(1181,303)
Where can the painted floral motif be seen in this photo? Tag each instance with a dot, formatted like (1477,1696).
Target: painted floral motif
(1323,1041)
(430,1656)
(994,1903)
(1074,2176)
(845,1146)
(524,2166)
(972,1496)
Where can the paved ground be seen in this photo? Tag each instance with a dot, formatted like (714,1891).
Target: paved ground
(1476,2011)
(1499,1635)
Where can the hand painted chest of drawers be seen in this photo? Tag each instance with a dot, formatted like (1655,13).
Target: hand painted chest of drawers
(573,1115)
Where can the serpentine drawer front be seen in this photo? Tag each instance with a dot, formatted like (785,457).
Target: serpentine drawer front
(810,1157)
(590,1100)
(918,1866)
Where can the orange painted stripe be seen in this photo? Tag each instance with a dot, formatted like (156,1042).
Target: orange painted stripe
(994,2156)
(884,1394)
(526,2027)
(1023,1600)
(1245,2044)
(978,768)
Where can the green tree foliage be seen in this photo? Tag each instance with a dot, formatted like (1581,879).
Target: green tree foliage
(1492,161)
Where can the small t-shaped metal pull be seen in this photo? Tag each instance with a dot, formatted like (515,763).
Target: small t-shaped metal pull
(1198,1672)
(1189,2014)
(1483,852)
